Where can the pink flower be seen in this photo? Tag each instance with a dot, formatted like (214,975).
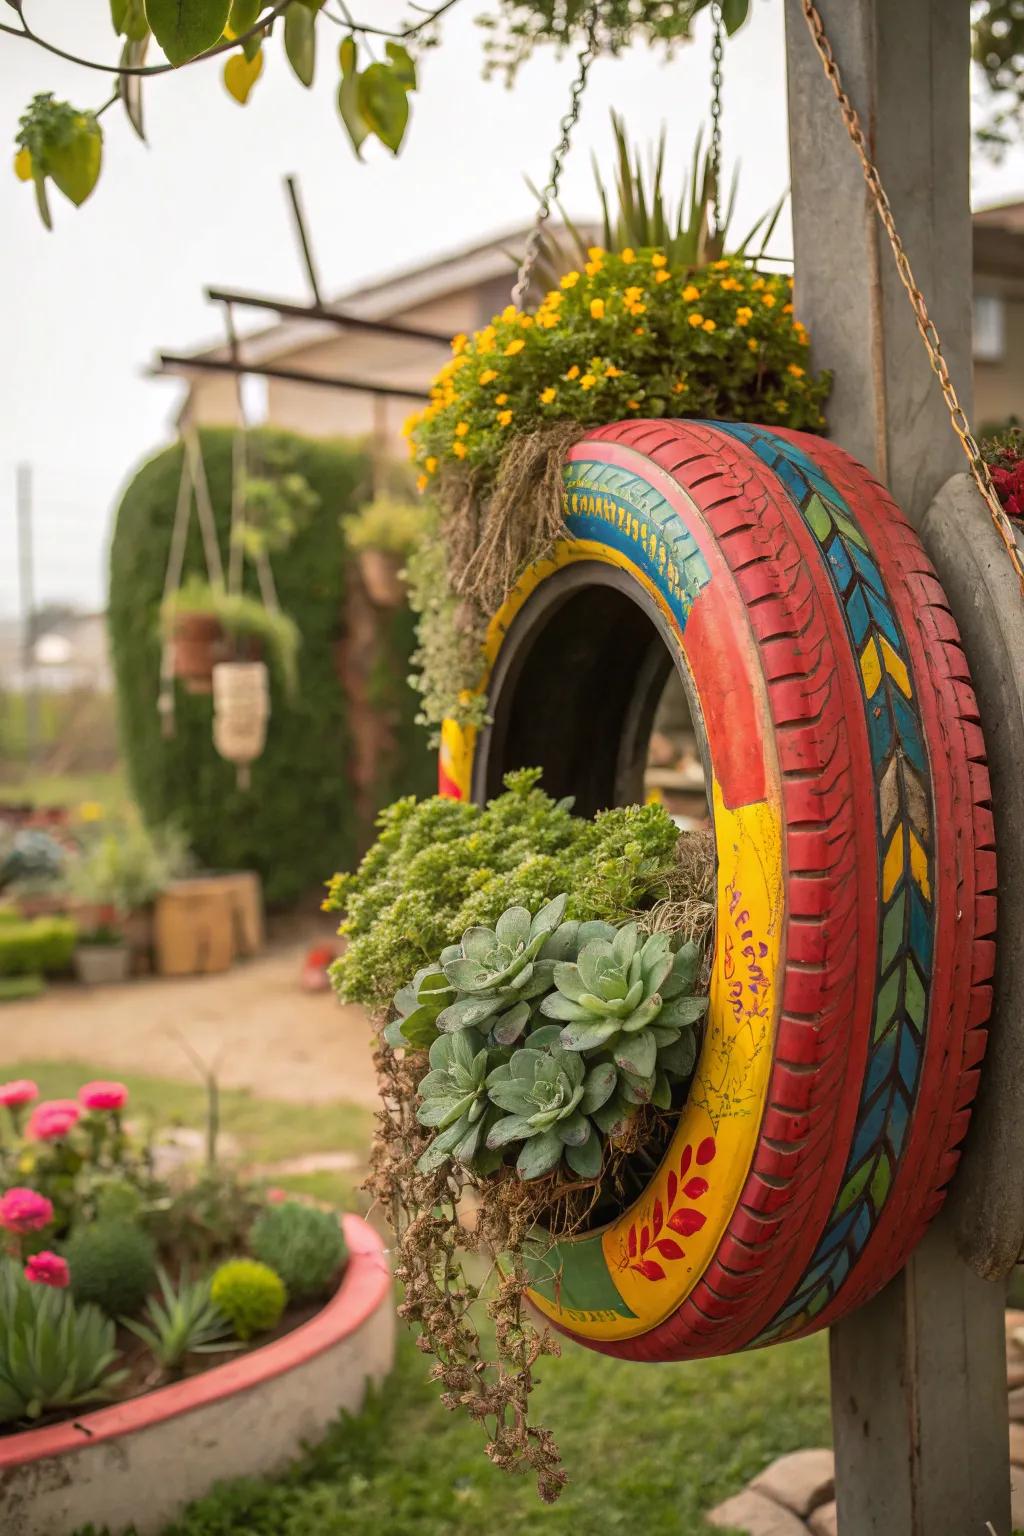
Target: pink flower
(103,1095)
(24,1210)
(17,1093)
(276,1196)
(48,1268)
(52,1120)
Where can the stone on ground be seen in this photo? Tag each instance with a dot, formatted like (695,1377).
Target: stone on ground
(757,1516)
(801,1481)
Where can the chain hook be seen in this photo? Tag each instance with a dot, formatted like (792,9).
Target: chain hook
(585,58)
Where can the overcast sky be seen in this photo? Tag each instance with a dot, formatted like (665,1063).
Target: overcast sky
(85,308)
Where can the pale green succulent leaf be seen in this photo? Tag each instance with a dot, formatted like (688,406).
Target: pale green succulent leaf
(513,927)
(507,1029)
(574,1129)
(568,981)
(598,1086)
(539,1155)
(556,1006)
(585,1160)
(548,918)
(637,1053)
(680,1012)
(511,1128)
(588,1036)
(683,975)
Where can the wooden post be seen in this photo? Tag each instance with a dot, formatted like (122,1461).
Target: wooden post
(919,1375)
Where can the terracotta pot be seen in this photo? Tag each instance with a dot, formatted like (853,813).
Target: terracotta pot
(196,643)
(383,584)
(98,965)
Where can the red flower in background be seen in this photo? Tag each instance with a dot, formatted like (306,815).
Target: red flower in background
(52,1120)
(21,1091)
(1009,484)
(24,1210)
(48,1268)
(103,1095)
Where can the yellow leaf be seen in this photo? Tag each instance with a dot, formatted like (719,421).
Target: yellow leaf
(241,74)
(23,165)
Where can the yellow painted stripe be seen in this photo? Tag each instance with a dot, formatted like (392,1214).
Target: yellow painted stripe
(892,869)
(896,667)
(919,867)
(870,668)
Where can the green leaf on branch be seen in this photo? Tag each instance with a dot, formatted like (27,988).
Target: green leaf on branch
(300,40)
(244,14)
(734,14)
(129,87)
(74,166)
(348,96)
(59,143)
(384,104)
(129,19)
(402,64)
(186,28)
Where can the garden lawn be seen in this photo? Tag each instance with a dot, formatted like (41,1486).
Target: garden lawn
(648,1449)
(266,1131)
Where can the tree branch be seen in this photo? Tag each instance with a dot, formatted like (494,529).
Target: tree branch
(228,45)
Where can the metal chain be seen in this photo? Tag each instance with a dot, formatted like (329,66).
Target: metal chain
(585,58)
(926,326)
(717,51)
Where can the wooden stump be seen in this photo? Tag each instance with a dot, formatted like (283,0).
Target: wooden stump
(194,927)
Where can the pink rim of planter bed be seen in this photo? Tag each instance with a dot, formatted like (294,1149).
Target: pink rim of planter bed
(364,1286)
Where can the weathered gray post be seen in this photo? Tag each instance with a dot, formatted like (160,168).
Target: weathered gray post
(918,1376)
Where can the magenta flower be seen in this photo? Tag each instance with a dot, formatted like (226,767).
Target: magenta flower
(48,1268)
(103,1095)
(24,1210)
(17,1093)
(52,1120)
(276,1196)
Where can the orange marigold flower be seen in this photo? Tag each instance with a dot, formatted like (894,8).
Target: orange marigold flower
(659,259)
(690,293)
(597,309)
(753,344)
(769,300)
(634,405)
(570,280)
(588,381)
(663,276)
(744,315)
(796,370)
(547,395)
(504,417)
(573,372)
(459,449)
(720,266)
(709,326)
(611,372)
(459,342)
(500,399)
(461,429)
(696,320)
(422,481)
(488,376)
(515,346)
(430,465)
(628,256)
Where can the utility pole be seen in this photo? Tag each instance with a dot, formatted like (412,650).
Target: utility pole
(27,607)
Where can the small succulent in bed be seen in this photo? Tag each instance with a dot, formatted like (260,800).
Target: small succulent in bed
(629,996)
(548,1096)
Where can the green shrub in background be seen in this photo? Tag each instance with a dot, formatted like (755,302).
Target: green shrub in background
(304,1246)
(298,815)
(250,1295)
(113,1265)
(39,946)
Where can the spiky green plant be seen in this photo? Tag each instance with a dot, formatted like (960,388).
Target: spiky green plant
(52,1353)
(548,1096)
(631,997)
(638,213)
(181,1321)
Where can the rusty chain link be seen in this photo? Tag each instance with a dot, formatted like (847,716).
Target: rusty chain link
(585,58)
(717,52)
(926,326)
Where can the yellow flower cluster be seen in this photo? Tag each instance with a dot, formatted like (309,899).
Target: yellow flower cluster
(624,334)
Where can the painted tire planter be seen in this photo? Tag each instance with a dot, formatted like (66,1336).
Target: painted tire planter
(856,873)
(138,1463)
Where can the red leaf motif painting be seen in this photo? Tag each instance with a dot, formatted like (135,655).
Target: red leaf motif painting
(685,1160)
(658,1219)
(687,1221)
(669,1249)
(645,1239)
(706,1150)
(694,1188)
(632,1242)
(673,1185)
(650,1270)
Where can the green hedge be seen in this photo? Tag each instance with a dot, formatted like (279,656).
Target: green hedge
(296,824)
(38,946)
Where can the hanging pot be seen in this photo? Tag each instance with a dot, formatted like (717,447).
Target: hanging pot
(381,577)
(196,641)
(241,709)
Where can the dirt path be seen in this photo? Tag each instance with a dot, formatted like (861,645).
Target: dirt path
(253,1024)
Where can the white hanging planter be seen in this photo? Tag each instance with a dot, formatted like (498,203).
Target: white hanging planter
(241,709)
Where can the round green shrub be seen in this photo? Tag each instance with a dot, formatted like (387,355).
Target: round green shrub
(112,1264)
(250,1295)
(305,1246)
(299,814)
